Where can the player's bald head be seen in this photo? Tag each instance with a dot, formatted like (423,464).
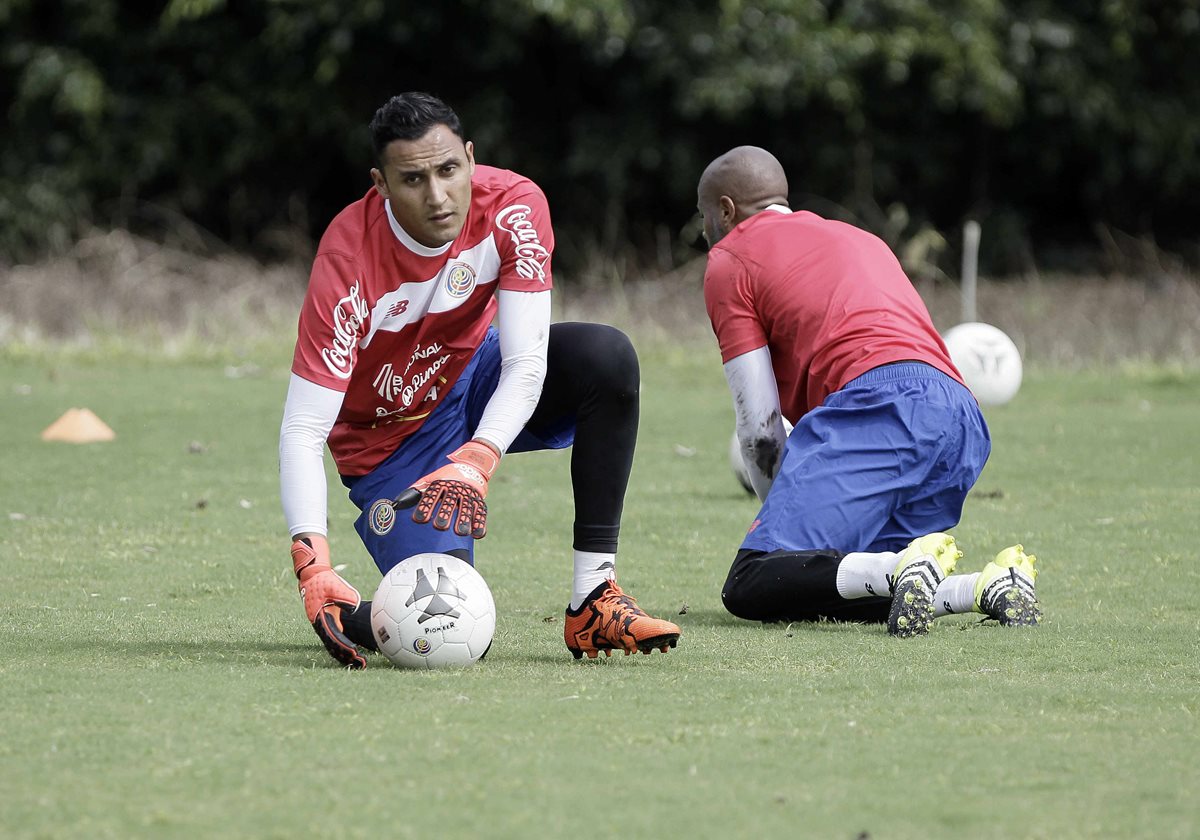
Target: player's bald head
(749,175)
(737,185)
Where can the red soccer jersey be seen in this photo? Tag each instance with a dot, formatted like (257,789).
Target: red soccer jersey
(829,300)
(393,323)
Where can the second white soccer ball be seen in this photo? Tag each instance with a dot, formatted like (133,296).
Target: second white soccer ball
(433,611)
(988,360)
(738,463)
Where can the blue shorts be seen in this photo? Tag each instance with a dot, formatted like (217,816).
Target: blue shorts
(392,536)
(888,458)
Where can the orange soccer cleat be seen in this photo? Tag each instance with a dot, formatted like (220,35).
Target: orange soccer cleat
(610,620)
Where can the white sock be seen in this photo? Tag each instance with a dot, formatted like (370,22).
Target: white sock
(862,574)
(591,570)
(956,594)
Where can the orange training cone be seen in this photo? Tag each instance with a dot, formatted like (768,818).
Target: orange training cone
(78,425)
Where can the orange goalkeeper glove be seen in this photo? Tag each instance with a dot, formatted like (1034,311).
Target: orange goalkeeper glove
(460,486)
(325,595)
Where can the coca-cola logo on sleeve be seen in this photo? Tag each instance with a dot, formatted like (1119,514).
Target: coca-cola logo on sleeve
(349,314)
(531,253)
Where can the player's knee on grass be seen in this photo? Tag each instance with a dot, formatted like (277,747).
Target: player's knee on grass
(741,594)
(786,585)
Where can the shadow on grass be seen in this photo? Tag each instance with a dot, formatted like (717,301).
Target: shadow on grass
(600,661)
(202,651)
(721,619)
(294,655)
(703,617)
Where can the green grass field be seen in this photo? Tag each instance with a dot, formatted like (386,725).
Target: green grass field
(158,678)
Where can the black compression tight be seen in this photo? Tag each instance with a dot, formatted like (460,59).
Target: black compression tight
(593,375)
(794,586)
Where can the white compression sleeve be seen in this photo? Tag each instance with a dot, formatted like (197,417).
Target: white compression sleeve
(524,325)
(308,416)
(756,409)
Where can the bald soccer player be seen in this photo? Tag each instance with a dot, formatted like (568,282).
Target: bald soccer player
(818,323)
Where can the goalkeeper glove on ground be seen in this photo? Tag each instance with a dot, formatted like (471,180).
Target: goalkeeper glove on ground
(325,596)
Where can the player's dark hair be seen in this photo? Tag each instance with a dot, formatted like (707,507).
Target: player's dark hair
(408,116)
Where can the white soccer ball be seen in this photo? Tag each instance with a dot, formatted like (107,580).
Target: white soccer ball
(433,611)
(988,360)
(738,463)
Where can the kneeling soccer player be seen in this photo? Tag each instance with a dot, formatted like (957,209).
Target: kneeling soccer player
(818,323)
(398,368)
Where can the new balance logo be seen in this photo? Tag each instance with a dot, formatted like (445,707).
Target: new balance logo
(438,605)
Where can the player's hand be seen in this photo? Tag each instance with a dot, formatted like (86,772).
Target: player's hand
(325,595)
(459,487)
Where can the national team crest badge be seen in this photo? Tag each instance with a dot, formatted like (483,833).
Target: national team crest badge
(460,280)
(381,517)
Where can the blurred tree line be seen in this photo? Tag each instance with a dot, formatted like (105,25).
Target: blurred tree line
(1061,126)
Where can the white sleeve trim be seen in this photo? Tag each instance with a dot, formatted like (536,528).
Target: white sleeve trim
(523,321)
(308,417)
(760,427)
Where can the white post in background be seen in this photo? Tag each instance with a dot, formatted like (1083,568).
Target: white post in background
(970,268)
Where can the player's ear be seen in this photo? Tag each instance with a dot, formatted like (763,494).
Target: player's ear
(470,147)
(381,185)
(728,213)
